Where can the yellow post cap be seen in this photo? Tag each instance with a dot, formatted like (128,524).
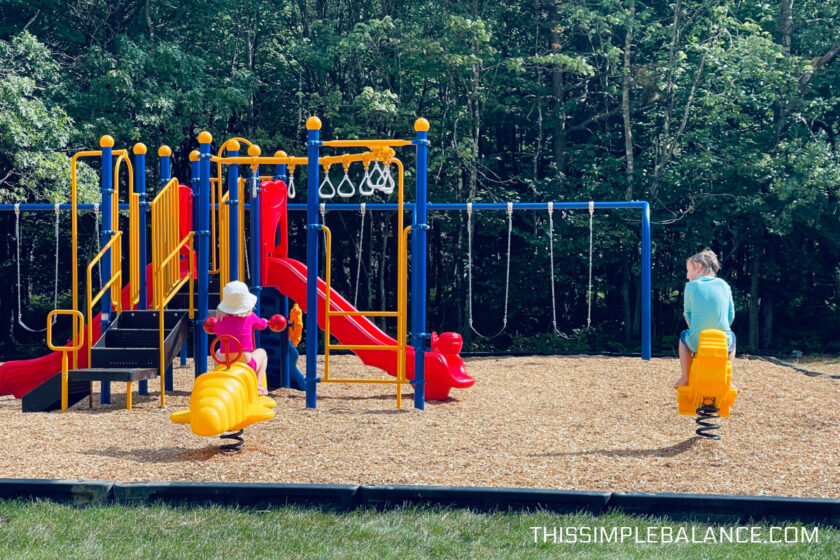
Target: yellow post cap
(421,125)
(281,153)
(164,151)
(140,148)
(106,141)
(313,123)
(254,150)
(205,137)
(232,145)
(194,155)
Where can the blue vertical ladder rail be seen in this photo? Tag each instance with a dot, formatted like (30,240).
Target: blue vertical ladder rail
(418,266)
(254,185)
(140,188)
(107,189)
(313,144)
(203,234)
(232,150)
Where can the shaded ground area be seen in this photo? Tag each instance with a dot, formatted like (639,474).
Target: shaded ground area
(584,423)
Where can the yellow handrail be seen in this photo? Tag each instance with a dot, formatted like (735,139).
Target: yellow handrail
(165,211)
(76,344)
(113,283)
(134,253)
(224,242)
(187,240)
(74,191)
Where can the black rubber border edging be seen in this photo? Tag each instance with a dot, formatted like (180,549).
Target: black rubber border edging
(702,507)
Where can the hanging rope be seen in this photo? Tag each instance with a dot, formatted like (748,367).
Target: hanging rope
(55,292)
(470,267)
(551,259)
(359,257)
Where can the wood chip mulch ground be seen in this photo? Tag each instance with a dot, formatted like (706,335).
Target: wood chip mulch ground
(583,423)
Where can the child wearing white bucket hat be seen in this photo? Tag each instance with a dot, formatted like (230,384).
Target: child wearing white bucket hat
(235,317)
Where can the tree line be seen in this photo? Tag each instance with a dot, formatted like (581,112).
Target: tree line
(723,114)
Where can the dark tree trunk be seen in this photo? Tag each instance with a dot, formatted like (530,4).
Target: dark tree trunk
(755,272)
(627,303)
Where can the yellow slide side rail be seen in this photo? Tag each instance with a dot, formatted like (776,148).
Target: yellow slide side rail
(165,213)
(172,259)
(76,344)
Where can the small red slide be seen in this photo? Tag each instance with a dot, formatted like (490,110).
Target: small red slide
(18,377)
(444,368)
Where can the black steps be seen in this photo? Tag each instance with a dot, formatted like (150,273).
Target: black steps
(128,351)
(47,395)
(113,374)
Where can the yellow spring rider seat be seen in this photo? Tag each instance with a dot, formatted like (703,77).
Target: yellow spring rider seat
(225,400)
(709,393)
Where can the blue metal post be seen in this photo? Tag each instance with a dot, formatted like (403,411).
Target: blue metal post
(203,234)
(646,297)
(232,149)
(254,185)
(418,266)
(281,173)
(194,185)
(313,126)
(107,189)
(140,189)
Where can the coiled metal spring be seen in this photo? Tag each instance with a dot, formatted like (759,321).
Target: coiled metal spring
(235,444)
(704,414)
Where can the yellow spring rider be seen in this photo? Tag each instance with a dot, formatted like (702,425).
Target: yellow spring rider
(225,400)
(709,393)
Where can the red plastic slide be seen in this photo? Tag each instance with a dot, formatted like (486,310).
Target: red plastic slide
(444,368)
(18,377)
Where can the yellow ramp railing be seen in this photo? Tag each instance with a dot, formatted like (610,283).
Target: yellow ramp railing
(165,237)
(112,284)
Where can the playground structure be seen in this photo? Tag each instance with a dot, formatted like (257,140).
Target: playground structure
(184,252)
(709,392)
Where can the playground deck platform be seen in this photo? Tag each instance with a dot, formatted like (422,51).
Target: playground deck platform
(577,422)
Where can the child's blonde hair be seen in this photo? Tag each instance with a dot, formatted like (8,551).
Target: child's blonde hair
(708,260)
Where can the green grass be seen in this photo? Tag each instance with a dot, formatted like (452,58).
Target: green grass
(46,530)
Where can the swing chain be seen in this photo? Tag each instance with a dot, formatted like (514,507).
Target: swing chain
(359,259)
(19,286)
(470,267)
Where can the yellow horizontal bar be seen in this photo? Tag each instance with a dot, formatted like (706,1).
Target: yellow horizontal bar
(325,160)
(361,347)
(390,381)
(364,313)
(365,143)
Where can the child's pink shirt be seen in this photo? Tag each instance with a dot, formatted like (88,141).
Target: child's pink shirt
(240,328)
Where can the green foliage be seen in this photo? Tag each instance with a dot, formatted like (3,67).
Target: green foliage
(735,135)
